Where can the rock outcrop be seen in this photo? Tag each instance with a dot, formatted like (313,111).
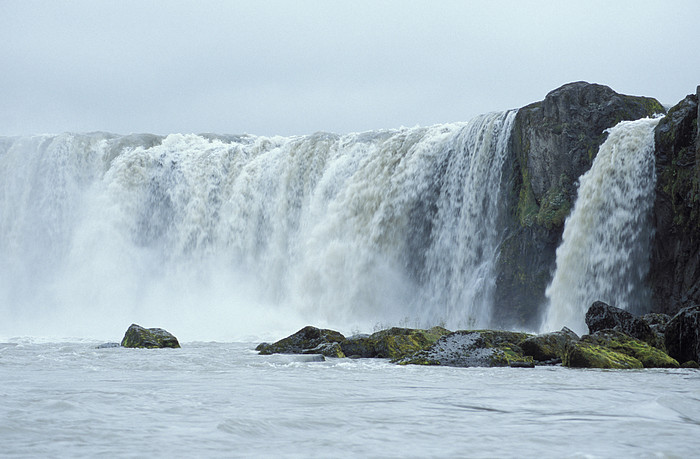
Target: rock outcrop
(308,340)
(392,343)
(473,348)
(601,316)
(674,275)
(584,354)
(553,143)
(548,347)
(617,341)
(682,335)
(138,336)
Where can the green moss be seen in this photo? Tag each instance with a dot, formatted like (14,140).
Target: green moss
(651,105)
(555,206)
(586,355)
(649,356)
(527,204)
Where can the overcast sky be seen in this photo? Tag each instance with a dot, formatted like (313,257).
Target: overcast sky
(296,67)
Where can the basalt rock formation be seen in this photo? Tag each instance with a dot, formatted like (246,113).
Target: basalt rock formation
(674,275)
(553,143)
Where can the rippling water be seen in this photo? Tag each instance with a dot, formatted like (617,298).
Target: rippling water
(224,400)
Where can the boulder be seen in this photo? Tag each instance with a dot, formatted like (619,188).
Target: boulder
(392,343)
(138,336)
(582,354)
(602,316)
(306,341)
(616,341)
(549,346)
(472,348)
(553,143)
(691,364)
(107,345)
(683,335)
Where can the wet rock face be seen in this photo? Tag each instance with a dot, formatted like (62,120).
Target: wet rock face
(601,316)
(683,335)
(549,346)
(392,343)
(138,336)
(553,143)
(617,341)
(674,274)
(467,348)
(306,341)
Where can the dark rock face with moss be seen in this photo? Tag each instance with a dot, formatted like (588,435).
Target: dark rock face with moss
(473,348)
(308,340)
(553,143)
(392,343)
(602,316)
(682,335)
(548,346)
(138,336)
(674,275)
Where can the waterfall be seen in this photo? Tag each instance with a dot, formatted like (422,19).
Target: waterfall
(604,253)
(231,237)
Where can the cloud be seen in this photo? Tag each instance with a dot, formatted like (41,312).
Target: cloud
(299,67)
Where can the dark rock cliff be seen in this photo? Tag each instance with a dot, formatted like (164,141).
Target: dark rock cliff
(674,275)
(553,143)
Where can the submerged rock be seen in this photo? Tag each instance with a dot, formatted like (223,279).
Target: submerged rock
(602,316)
(107,345)
(308,340)
(549,346)
(472,348)
(392,343)
(683,335)
(137,336)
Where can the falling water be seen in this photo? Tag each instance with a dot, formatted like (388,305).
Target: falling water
(604,254)
(221,237)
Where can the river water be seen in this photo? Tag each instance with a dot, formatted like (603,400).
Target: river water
(209,399)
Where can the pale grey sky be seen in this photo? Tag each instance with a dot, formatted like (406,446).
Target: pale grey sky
(296,67)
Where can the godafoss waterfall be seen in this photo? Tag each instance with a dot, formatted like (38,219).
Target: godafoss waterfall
(230,235)
(429,258)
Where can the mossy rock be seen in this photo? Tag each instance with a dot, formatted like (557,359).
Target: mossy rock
(326,349)
(308,340)
(548,346)
(649,356)
(586,355)
(472,348)
(691,364)
(392,343)
(137,336)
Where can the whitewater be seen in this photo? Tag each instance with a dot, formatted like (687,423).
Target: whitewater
(223,400)
(234,237)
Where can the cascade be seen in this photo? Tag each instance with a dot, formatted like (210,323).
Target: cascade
(604,253)
(230,237)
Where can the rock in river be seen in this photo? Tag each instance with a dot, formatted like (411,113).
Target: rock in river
(137,336)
